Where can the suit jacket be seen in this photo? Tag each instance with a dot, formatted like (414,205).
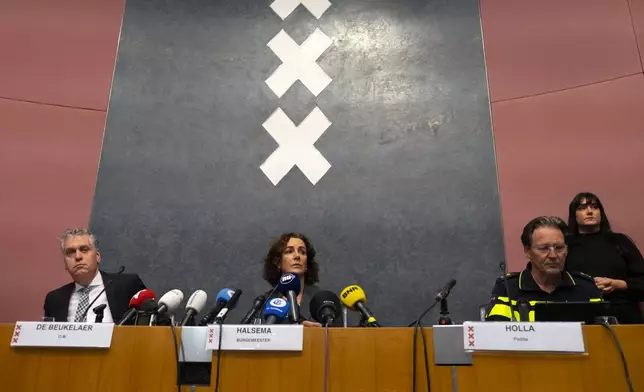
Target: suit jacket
(119,293)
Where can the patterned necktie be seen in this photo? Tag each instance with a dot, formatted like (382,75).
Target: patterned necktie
(83,305)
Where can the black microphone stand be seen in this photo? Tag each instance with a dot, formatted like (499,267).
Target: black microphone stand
(444,318)
(504,270)
(192,322)
(147,315)
(105,286)
(440,298)
(98,311)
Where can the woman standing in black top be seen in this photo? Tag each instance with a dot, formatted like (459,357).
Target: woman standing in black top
(612,258)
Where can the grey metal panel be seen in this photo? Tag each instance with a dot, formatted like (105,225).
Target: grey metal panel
(410,201)
(448,346)
(193,345)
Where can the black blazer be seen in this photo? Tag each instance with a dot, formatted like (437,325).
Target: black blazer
(119,293)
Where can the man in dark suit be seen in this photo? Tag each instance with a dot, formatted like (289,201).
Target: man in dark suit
(71,301)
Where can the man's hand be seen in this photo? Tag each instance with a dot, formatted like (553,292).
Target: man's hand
(608,285)
(307,323)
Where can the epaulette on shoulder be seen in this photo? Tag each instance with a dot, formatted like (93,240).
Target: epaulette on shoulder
(511,275)
(582,275)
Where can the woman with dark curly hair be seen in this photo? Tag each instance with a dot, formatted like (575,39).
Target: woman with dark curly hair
(611,258)
(293,252)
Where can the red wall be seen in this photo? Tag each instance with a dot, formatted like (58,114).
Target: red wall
(57,61)
(567,92)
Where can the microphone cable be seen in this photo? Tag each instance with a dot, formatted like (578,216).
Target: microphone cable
(221,333)
(418,325)
(176,354)
(627,375)
(326,355)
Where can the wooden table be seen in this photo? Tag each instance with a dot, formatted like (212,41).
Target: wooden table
(369,360)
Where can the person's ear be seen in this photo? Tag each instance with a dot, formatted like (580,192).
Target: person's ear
(527,254)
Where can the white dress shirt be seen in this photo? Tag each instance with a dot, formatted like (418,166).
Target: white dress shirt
(96,286)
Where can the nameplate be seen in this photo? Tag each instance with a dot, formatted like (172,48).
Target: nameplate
(35,334)
(534,337)
(256,337)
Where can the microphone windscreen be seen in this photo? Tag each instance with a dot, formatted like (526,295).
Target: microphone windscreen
(288,282)
(322,300)
(172,299)
(224,295)
(232,302)
(352,294)
(197,301)
(140,297)
(149,305)
(277,307)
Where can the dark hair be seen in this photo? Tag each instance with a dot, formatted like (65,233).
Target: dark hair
(542,221)
(604,225)
(273,259)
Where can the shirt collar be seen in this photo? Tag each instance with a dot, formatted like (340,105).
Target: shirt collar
(97,281)
(527,283)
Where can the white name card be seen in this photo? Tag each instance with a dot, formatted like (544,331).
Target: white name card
(35,334)
(534,337)
(256,337)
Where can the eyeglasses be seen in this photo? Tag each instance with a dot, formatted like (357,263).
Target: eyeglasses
(545,248)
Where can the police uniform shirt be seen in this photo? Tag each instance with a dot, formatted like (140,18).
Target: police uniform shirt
(573,287)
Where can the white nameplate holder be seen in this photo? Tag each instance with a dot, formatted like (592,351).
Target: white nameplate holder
(256,337)
(52,334)
(554,337)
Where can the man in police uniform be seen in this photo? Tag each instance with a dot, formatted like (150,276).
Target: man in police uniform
(544,278)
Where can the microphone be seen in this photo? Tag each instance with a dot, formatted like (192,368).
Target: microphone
(523,308)
(444,293)
(275,311)
(135,304)
(147,314)
(230,305)
(120,271)
(195,305)
(170,301)
(222,298)
(289,286)
(98,311)
(440,297)
(504,271)
(354,298)
(325,307)
(257,304)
